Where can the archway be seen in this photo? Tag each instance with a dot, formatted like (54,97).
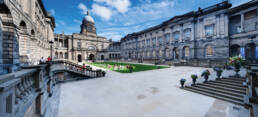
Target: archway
(79,58)
(175,53)
(102,57)
(11,57)
(56,55)
(186,52)
(91,57)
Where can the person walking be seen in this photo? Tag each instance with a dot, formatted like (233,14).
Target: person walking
(49,59)
(41,61)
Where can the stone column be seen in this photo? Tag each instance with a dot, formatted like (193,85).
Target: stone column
(193,30)
(63,41)
(181,33)
(225,25)
(217,26)
(242,22)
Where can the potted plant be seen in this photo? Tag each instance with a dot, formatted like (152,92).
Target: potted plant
(236,62)
(194,78)
(206,74)
(182,82)
(218,72)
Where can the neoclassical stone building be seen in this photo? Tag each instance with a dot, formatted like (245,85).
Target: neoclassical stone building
(114,51)
(82,46)
(204,37)
(25,31)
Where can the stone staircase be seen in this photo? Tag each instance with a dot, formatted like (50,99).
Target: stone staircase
(227,89)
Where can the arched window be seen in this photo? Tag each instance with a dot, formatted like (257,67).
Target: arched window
(61,55)
(32,32)
(209,51)
(66,55)
(186,51)
(56,55)
(23,25)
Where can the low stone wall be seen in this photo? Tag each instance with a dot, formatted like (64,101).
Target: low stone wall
(201,63)
(191,62)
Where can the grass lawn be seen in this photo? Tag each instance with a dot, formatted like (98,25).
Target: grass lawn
(121,67)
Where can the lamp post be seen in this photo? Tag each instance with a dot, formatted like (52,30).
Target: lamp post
(51,49)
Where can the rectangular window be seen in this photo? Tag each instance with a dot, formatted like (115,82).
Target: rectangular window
(160,40)
(256,52)
(9,104)
(167,37)
(79,44)
(250,15)
(242,52)
(176,36)
(187,34)
(209,30)
(153,41)
(143,42)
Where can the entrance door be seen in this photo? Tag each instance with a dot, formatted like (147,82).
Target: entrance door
(176,53)
(250,52)
(235,50)
(79,58)
(91,57)
(102,57)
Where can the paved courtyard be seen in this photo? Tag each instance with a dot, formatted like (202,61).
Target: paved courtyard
(153,93)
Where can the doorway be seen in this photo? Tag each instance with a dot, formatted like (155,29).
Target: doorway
(79,58)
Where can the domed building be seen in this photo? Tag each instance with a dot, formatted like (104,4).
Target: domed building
(83,46)
(88,25)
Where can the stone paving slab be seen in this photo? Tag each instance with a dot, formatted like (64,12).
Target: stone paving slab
(154,93)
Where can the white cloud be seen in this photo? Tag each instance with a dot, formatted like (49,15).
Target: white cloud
(61,22)
(115,36)
(77,21)
(53,12)
(102,11)
(121,5)
(83,8)
(138,18)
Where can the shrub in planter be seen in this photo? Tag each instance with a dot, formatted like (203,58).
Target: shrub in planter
(182,82)
(206,74)
(194,78)
(237,62)
(218,72)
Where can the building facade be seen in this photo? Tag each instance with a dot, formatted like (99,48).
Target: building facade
(82,46)
(114,51)
(25,31)
(209,35)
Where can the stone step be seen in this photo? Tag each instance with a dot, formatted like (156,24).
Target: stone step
(228,86)
(216,96)
(237,98)
(229,83)
(237,79)
(224,88)
(232,80)
(229,92)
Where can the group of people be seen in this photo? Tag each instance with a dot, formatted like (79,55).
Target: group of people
(42,60)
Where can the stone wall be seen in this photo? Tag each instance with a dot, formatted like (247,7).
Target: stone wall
(26,30)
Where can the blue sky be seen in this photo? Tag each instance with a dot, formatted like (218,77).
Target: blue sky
(116,18)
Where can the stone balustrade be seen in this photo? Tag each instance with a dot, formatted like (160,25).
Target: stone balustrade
(76,68)
(32,91)
(23,93)
(251,98)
